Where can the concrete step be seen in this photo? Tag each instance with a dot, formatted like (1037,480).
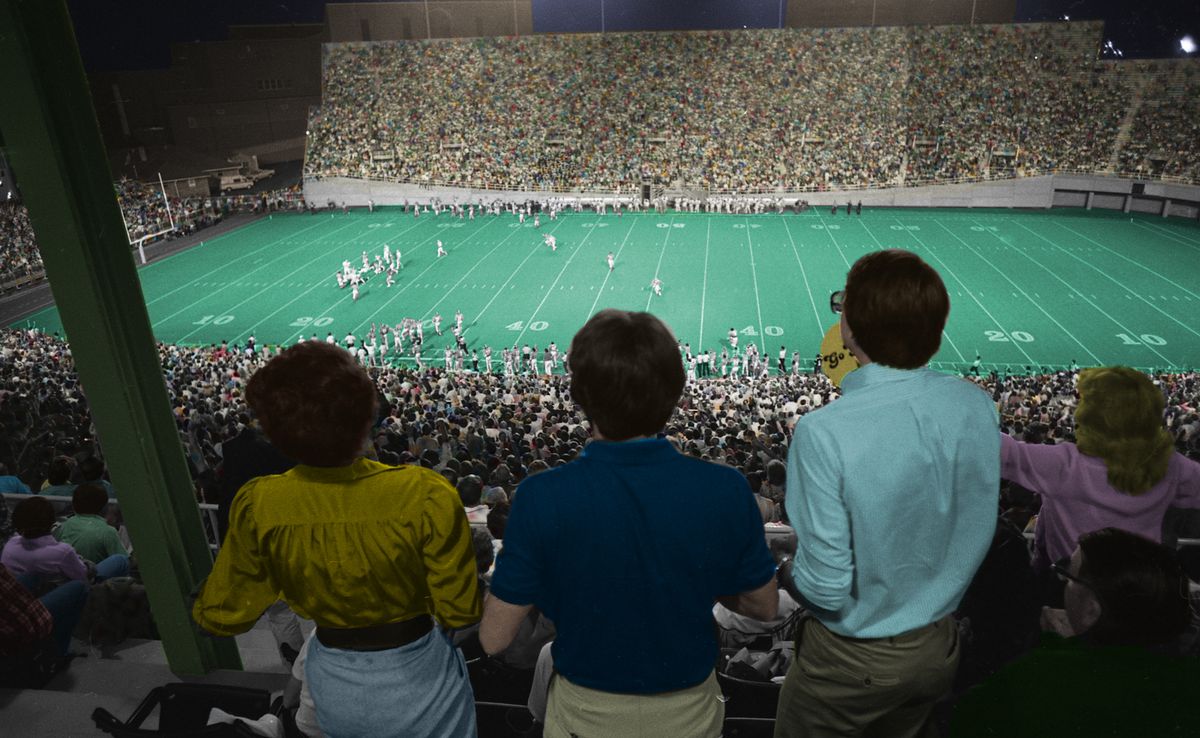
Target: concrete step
(65,706)
(33,713)
(257,647)
(129,678)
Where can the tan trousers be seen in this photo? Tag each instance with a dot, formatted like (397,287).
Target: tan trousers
(579,712)
(840,686)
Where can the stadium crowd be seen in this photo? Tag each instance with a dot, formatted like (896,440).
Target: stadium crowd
(19,255)
(487,434)
(1165,138)
(145,215)
(497,419)
(752,110)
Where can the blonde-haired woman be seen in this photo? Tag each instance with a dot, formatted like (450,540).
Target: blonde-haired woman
(1122,471)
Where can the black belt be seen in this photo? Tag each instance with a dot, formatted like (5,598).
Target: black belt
(376,637)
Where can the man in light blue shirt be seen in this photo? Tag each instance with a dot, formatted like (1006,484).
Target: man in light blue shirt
(893,492)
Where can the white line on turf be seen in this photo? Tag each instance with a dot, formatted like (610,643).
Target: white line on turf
(970,294)
(804,273)
(292,335)
(704,284)
(1115,281)
(545,297)
(617,256)
(953,345)
(1126,258)
(1018,287)
(209,295)
(1167,233)
(762,340)
(670,227)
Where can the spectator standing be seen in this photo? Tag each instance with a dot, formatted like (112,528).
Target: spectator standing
(1123,470)
(372,553)
(660,535)
(892,491)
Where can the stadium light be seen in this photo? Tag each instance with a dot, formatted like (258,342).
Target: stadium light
(1188,44)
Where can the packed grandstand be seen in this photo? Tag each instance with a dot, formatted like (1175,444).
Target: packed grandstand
(726,113)
(754,111)
(751,111)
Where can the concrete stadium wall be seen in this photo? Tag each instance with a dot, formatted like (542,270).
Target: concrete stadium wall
(843,13)
(1110,193)
(400,21)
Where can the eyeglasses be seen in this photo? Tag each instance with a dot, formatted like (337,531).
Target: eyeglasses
(1062,569)
(836,300)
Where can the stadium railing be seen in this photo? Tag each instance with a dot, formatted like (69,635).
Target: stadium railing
(208,514)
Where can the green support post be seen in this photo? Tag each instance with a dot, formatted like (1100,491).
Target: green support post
(54,145)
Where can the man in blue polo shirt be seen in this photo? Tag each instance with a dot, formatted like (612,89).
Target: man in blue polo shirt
(626,549)
(892,490)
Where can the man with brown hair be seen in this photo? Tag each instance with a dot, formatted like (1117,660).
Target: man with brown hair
(635,532)
(892,490)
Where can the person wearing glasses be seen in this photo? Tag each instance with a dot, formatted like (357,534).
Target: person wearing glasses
(892,491)
(1123,469)
(1105,664)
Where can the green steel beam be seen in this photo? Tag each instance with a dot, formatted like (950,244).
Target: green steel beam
(54,145)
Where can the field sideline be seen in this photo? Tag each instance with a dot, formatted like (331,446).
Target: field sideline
(1027,288)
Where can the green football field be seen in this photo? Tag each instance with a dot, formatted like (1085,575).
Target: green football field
(1027,288)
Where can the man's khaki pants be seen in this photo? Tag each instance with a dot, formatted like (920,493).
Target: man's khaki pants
(697,712)
(839,686)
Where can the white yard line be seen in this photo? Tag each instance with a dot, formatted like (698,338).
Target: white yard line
(804,273)
(1018,288)
(670,227)
(616,257)
(1126,258)
(878,243)
(762,344)
(971,294)
(704,284)
(550,291)
(247,255)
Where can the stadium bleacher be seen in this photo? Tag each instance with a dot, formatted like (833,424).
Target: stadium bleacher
(730,112)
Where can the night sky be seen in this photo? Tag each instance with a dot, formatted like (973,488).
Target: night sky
(136,34)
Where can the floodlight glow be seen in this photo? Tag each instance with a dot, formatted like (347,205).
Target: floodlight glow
(1187,44)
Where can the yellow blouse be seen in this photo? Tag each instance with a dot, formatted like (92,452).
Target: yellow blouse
(347,547)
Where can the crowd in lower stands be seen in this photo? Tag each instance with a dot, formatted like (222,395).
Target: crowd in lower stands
(19,255)
(146,216)
(751,110)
